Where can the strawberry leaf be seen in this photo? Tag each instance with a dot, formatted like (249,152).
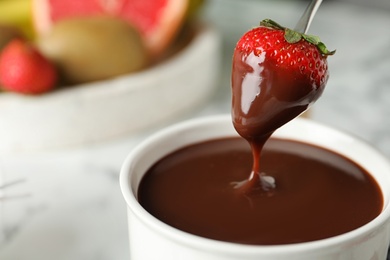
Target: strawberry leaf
(321,46)
(272,24)
(317,42)
(292,36)
(312,39)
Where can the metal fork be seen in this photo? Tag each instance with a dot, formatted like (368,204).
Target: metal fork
(307,17)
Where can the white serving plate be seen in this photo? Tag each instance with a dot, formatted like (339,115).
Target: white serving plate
(98,111)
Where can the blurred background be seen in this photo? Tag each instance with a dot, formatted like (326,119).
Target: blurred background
(61,150)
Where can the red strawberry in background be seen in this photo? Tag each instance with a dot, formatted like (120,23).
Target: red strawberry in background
(24,70)
(277,74)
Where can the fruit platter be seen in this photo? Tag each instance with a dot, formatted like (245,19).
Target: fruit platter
(75,72)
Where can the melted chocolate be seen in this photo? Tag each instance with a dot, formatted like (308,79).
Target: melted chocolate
(319,194)
(264,98)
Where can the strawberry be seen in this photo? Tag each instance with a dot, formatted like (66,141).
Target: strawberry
(23,69)
(277,73)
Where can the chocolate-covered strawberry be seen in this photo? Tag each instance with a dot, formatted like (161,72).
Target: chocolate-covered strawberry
(277,73)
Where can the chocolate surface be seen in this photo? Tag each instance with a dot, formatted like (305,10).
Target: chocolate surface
(318,193)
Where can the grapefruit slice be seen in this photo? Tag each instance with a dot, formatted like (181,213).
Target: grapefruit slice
(157,20)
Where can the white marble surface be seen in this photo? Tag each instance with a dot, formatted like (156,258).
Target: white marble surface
(69,206)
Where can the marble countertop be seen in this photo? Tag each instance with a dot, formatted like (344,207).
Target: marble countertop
(66,204)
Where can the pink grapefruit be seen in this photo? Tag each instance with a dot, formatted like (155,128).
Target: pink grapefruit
(157,20)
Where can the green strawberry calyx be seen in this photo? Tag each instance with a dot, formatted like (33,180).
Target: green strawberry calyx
(292,36)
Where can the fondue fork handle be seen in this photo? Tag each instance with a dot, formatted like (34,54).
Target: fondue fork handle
(307,17)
